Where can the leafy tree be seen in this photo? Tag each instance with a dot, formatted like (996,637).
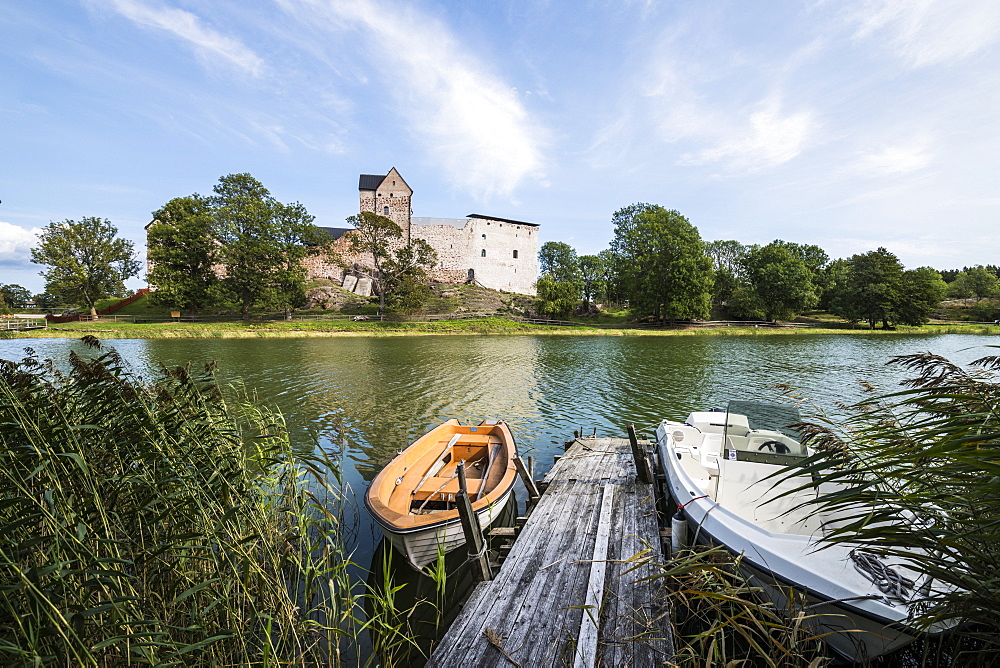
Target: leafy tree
(591,276)
(183,253)
(780,280)
(873,288)
(729,261)
(404,276)
(978,282)
(556,298)
(559,260)
(399,267)
(665,269)
(263,243)
(375,235)
(86,260)
(244,212)
(921,293)
(295,239)
(610,284)
(45,301)
(831,283)
(15,295)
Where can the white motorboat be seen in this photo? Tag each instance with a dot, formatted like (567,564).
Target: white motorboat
(721,467)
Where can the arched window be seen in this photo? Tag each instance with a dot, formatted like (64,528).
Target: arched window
(515,255)
(385,210)
(484,253)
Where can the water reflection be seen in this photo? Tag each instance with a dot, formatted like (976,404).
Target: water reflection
(376,395)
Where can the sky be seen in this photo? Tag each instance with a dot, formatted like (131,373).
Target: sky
(846,124)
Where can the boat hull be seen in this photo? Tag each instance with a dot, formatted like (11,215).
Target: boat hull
(422,547)
(414,498)
(856,621)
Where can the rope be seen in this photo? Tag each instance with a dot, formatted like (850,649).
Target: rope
(681,506)
(889,581)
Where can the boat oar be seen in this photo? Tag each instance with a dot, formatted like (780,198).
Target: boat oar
(486,473)
(437,465)
(434,493)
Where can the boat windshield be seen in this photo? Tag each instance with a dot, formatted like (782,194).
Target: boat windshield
(763,432)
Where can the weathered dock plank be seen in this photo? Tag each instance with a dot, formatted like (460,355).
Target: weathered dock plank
(572,590)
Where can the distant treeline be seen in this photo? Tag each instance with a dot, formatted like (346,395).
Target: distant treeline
(659,266)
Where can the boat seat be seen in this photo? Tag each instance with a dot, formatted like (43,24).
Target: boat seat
(447,485)
(710,451)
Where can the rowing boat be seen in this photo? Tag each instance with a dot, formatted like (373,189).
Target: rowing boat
(413,498)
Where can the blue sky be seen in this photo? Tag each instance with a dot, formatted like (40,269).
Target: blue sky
(850,125)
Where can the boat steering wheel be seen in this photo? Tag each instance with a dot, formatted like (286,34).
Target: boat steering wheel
(774,446)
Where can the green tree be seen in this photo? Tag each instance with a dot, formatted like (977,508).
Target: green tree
(728,260)
(183,252)
(375,235)
(556,298)
(978,282)
(873,288)
(921,293)
(559,260)
(832,282)
(591,276)
(611,280)
(665,269)
(263,243)
(86,260)
(14,295)
(400,269)
(404,276)
(296,238)
(780,280)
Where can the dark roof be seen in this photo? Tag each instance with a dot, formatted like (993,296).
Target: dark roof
(370,181)
(502,220)
(336,232)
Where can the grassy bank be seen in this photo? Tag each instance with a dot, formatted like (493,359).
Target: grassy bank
(111,329)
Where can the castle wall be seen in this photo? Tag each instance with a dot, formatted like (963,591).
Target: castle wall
(460,245)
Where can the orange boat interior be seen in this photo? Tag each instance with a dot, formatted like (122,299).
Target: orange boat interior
(424,478)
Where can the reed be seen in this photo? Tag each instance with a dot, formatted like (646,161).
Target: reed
(917,475)
(720,619)
(155,522)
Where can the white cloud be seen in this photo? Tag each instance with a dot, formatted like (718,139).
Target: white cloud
(15,244)
(470,121)
(929,32)
(902,159)
(764,138)
(209,44)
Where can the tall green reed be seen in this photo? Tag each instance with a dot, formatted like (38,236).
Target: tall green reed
(914,475)
(155,522)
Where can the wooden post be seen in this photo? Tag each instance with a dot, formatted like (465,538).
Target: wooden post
(470,525)
(529,484)
(643,474)
(531,467)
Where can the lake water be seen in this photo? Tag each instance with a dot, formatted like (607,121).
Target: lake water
(376,395)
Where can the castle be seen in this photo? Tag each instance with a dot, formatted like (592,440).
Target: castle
(496,253)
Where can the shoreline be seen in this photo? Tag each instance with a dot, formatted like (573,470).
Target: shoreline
(492,327)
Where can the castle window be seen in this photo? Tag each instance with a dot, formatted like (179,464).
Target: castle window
(484,253)
(385,210)
(484,236)
(515,255)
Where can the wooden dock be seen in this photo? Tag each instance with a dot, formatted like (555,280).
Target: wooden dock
(571,591)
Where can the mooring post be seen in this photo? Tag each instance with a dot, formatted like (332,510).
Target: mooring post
(531,467)
(470,525)
(529,484)
(643,474)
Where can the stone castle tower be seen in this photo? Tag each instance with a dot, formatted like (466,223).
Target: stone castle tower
(388,196)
